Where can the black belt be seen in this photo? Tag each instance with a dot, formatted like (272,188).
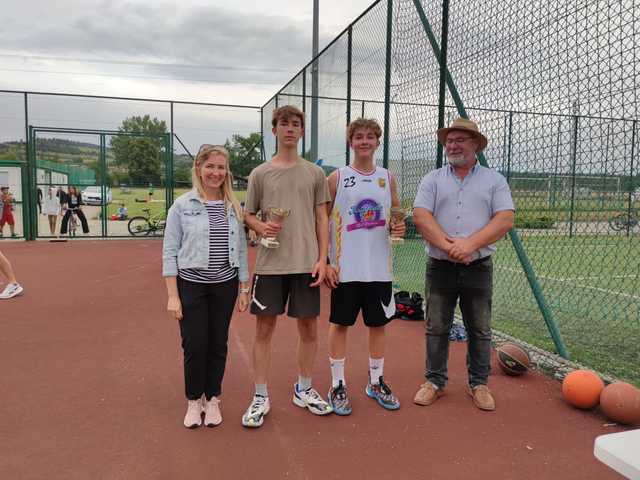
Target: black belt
(470,264)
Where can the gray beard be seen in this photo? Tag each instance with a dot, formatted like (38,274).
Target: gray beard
(456,160)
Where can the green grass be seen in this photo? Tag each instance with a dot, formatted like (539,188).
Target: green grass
(157,206)
(590,282)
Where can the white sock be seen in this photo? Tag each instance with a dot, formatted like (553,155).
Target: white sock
(337,371)
(376,369)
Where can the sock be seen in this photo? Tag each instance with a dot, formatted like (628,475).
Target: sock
(337,371)
(304,383)
(376,369)
(261,389)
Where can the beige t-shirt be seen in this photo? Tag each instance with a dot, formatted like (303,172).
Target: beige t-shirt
(298,188)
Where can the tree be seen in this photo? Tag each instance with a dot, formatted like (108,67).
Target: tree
(141,156)
(244,153)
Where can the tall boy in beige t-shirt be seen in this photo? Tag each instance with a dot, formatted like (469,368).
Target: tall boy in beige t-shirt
(292,273)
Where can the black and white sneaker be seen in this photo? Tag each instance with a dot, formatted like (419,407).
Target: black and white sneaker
(312,400)
(254,416)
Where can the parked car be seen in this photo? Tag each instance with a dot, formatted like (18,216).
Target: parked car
(93,196)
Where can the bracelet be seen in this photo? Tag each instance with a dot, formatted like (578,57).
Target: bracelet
(245,290)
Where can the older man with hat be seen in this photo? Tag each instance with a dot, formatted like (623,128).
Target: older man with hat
(460,210)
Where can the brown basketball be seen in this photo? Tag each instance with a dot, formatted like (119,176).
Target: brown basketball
(582,388)
(513,359)
(620,402)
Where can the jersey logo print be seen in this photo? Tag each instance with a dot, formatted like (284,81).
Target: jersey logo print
(367,214)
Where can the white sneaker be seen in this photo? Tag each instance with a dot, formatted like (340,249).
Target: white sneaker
(193,417)
(212,415)
(11,290)
(312,400)
(254,416)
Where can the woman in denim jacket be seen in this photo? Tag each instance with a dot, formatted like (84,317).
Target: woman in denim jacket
(204,260)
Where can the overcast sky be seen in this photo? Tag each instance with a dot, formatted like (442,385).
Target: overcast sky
(214,51)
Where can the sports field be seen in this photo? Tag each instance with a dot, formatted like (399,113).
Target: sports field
(590,282)
(93,388)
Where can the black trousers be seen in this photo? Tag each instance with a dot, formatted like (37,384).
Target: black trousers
(206,314)
(67,216)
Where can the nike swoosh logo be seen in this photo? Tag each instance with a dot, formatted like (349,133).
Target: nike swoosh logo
(389,310)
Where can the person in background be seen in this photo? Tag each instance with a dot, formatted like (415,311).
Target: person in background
(73,202)
(51,208)
(6,215)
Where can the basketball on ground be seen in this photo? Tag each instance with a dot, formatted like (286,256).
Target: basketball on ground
(582,388)
(620,402)
(513,359)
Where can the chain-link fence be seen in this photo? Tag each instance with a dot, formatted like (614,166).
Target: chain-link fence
(126,153)
(553,86)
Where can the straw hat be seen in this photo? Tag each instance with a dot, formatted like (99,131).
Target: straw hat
(464,125)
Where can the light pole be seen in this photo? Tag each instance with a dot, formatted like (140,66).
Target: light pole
(314,84)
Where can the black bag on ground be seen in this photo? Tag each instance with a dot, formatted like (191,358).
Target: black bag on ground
(409,307)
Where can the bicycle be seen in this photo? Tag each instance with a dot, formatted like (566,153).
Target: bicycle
(73,222)
(624,221)
(146,225)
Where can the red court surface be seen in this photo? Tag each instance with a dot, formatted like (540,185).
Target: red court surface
(92,388)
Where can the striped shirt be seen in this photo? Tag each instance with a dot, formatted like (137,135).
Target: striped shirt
(219,269)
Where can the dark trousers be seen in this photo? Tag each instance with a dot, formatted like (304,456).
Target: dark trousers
(204,328)
(67,216)
(446,282)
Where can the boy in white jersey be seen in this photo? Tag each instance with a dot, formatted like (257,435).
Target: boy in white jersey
(361,272)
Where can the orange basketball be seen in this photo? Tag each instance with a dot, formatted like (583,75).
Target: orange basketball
(582,388)
(620,402)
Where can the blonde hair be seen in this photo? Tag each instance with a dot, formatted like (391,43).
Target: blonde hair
(365,123)
(228,194)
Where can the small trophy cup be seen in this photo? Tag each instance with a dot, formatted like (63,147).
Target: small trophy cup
(398,215)
(275,215)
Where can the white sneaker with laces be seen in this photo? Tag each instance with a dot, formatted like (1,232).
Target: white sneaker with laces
(254,416)
(212,415)
(312,400)
(193,417)
(11,290)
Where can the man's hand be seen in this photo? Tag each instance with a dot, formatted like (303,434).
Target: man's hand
(331,277)
(461,249)
(318,272)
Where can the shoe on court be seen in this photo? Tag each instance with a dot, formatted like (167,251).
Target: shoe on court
(254,416)
(312,400)
(193,417)
(11,290)
(212,415)
(382,394)
(339,400)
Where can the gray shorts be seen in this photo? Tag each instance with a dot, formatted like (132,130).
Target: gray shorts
(270,294)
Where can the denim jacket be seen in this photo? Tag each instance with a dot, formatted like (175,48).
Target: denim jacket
(186,238)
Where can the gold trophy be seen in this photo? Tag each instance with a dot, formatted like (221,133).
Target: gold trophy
(275,215)
(398,215)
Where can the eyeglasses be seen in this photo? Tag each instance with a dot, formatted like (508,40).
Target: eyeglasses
(457,141)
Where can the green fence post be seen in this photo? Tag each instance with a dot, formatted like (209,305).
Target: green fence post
(25,174)
(574,157)
(103,187)
(522,256)
(444,36)
(387,85)
(349,61)
(631,184)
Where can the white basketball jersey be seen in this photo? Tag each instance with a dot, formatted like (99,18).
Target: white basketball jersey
(359,247)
